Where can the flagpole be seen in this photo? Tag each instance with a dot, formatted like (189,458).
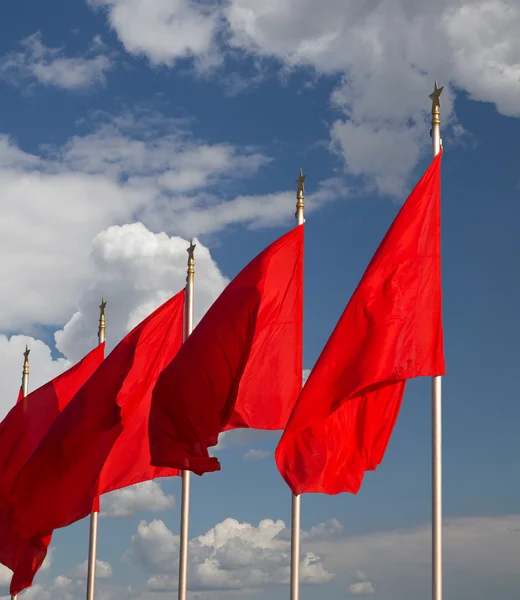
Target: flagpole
(25,372)
(92,545)
(25,391)
(436,407)
(296,504)
(185,502)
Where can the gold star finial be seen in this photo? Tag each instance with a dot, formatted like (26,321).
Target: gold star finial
(435,96)
(191,250)
(300,181)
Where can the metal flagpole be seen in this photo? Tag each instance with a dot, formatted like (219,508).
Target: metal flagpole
(92,545)
(185,502)
(296,505)
(435,133)
(25,391)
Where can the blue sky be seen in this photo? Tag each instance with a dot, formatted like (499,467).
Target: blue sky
(120,122)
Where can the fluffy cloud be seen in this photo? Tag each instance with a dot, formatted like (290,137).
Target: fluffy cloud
(239,437)
(162,30)
(49,66)
(79,573)
(361,588)
(230,556)
(388,54)
(240,556)
(148,495)
(481,547)
(127,167)
(136,270)
(385,54)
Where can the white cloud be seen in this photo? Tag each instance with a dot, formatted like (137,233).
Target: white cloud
(5,580)
(361,588)
(231,556)
(148,495)
(483,548)
(79,572)
(128,167)
(135,271)
(387,53)
(241,556)
(239,437)
(162,30)
(254,454)
(49,66)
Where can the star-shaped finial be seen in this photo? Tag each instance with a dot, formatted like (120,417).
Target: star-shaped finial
(435,96)
(26,353)
(191,250)
(102,306)
(300,181)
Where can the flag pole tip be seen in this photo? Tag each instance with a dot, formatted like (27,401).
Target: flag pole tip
(26,353)
(191,249)
(435,96)
(300,181)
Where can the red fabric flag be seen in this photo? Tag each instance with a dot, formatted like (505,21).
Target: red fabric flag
(20,395)
(20,433)
(390,331)
(241,366)
(100,441)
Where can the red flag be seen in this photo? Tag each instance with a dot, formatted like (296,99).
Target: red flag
(241,366)
(390,331)
(20,395)
(100,441)
(20,432)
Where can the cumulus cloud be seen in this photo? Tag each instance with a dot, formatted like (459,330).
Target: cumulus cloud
(148,496)
(49,66)
(131,167)
(385,55)
(388,55)
(241,556)
(135,270)
(230,556)
(79,572)
(164,31)
(239,437)
(361,588)
(482,547)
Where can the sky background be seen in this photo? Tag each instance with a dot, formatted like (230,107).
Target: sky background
(128,127)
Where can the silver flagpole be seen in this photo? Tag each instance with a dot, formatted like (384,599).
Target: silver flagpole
(436,407)
(296,505)
(185,502)
(25,391)
(92,545)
